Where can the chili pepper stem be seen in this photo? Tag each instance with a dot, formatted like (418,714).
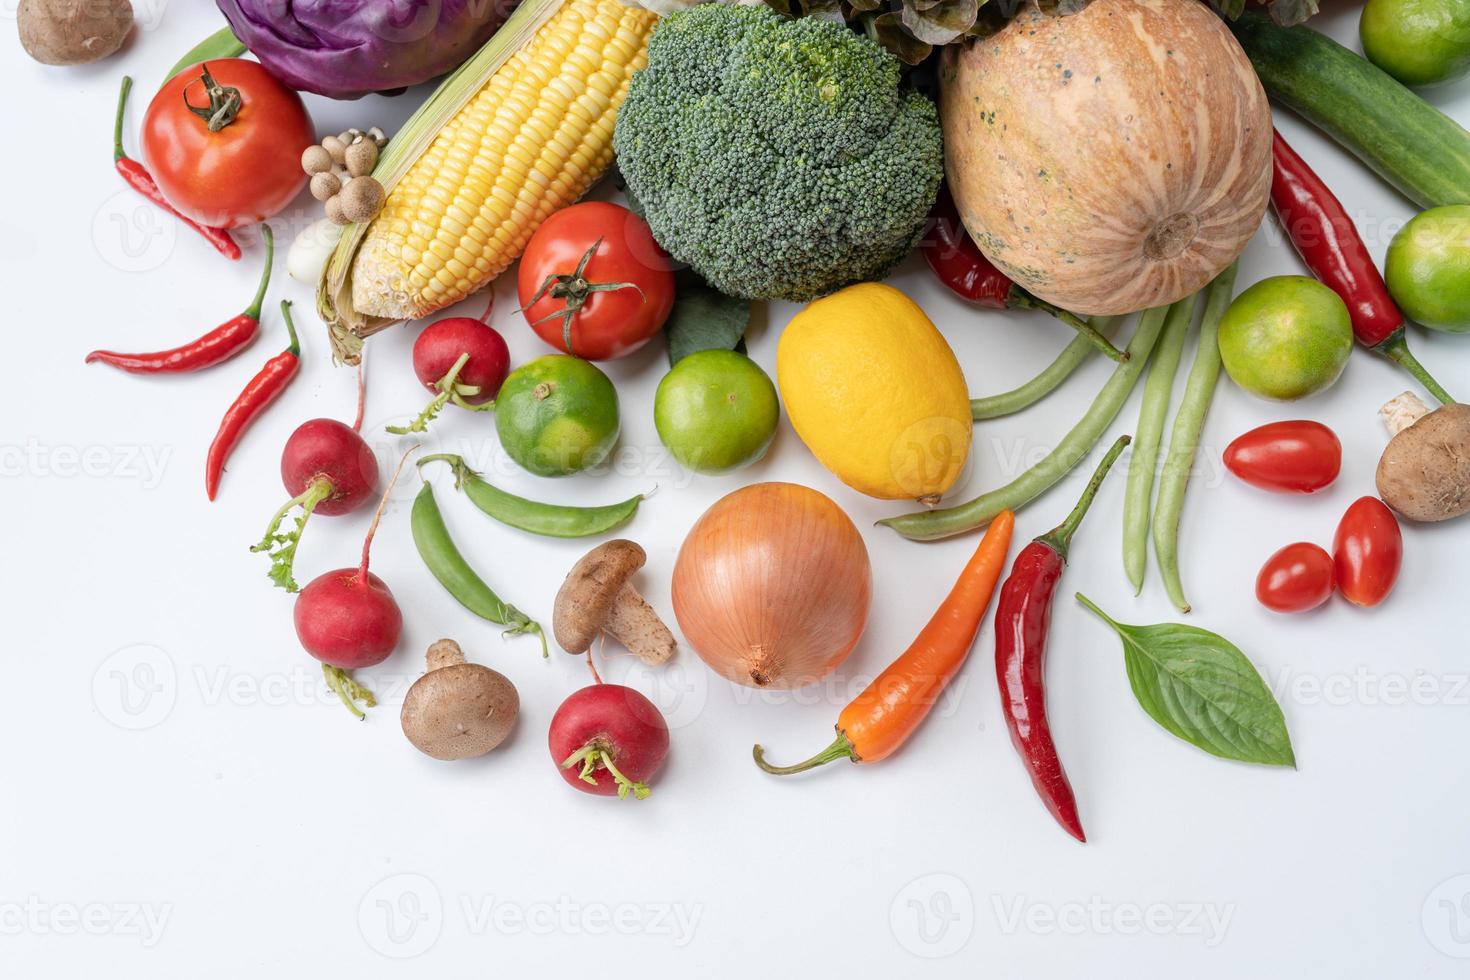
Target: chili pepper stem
(1059,538)
(348,690)
(253,310)
(295,346)
(841,748)
(117,122)
(1396,349)
(1022,300)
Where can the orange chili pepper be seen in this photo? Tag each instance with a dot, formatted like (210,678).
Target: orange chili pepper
(890,709)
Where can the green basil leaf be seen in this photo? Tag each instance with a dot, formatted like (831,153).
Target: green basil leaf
(704,318)
(1199,686)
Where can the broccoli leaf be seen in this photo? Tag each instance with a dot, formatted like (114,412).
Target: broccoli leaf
(704,318)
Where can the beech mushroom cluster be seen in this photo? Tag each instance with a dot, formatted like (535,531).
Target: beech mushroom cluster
(1424,472)
(458,710)
(341,169)
(597,597)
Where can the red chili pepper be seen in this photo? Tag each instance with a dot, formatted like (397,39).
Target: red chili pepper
(140,180)
(1328,242)
(221,343)
(263,389)
(1021,621)
(958,263)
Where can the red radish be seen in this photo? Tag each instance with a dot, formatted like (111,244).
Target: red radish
(609,740)
(459,359)
(347,618)
(328,468)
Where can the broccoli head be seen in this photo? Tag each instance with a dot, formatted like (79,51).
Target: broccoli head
(779,158)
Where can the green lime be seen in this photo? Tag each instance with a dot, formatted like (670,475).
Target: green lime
(1419,42)
(716,411)
(1428,268)
(557,415)
(1286,337)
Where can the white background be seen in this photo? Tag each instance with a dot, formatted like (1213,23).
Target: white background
(170,751)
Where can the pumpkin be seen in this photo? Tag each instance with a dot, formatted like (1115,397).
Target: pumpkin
(1110,160)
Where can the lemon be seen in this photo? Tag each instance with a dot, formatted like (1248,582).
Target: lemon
(876,394)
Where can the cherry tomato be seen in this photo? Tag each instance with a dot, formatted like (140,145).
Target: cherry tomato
(594,283)
(1367,551)
(1296,456)
(1297,578)
(246,170)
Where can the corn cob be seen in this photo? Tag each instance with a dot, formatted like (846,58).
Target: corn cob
(519,133)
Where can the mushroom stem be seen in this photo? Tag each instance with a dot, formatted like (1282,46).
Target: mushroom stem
(633,623)
(1402,411)
(444,653)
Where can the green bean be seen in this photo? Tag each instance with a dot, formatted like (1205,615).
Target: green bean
(548,520)
(1144,461)
(1033,391)
(438,551)
(1075,445)
(1184,440)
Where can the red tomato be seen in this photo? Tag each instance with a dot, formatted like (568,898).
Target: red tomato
(1367,551)
(1297,578)
(246,171)
(1296,456)
(601,285)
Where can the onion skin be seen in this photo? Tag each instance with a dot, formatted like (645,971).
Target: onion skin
(772,586)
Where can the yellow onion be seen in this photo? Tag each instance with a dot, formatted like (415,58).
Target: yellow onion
(772,586)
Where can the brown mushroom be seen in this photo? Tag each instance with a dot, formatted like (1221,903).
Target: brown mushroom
(361,199)
(361,157)
(316,160)
(598,597)
(1424,472)
(458,710)
(324,185)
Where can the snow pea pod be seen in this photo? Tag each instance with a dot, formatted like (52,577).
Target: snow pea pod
(549,520)
(439,552)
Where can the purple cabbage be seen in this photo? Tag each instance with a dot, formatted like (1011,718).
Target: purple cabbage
(345,49)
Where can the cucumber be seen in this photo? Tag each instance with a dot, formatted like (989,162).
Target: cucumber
(1407,141)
